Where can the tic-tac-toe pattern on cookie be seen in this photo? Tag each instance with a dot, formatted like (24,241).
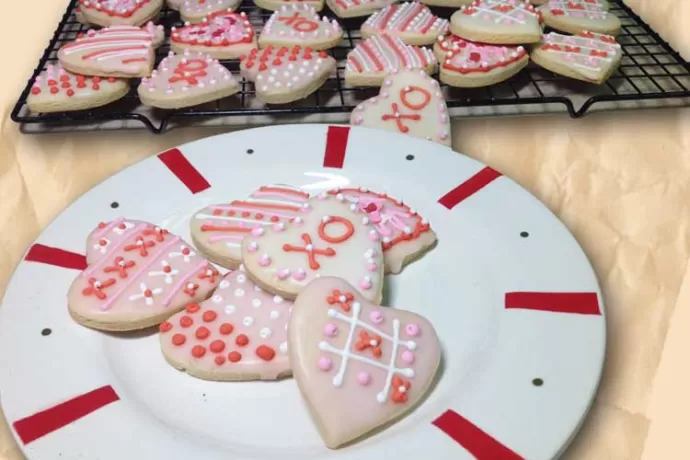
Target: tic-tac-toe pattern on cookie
(56,90)
(414,23)
(186,80)
(498,22)
(197,10)
(299,24)
(123,51)
(223,35)
(218,230)
(358,365)
(586,56)
(240,333)
(409,102)
(574,16)
(112,12)
(404,233)
(334,239)
(137,276)
(286,74)
(356,8)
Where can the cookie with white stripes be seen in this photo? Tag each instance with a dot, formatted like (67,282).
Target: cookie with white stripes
(413,22)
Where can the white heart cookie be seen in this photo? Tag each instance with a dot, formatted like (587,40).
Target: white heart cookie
(286,74)
(275,5)
(334,239)
(56,90)
(498,22)
(196,10)
(358,365)
(114,12)
(299,24)
(187,80)
(575,16)
(413,22)
(410,102)
(222,35)
(357,8)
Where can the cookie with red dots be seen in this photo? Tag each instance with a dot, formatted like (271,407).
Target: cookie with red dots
(498,22)
(137,276)
(222,35)
(119,12)
(57,90)
(240,333)
(196,10)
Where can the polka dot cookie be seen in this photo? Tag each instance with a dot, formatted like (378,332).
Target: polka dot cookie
(119,12)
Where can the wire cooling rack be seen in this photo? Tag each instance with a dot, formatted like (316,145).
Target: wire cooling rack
(651,72)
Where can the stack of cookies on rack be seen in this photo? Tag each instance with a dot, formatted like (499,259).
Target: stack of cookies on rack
(302,297)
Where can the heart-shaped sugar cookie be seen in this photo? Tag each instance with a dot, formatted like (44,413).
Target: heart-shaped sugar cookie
(410,102)
(498,22)
(334,238)
(413,22)
(222,35)
(575,16)
(113,12)
(196,10)
(358,365)
(356,8)
(299,24)
(187,80)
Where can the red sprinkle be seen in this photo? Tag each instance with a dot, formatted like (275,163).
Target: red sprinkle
(186,321)
(217,346)
(179,339)
(70,92)
(165,326)
(209,315)
(202,333)
(220,360)
(35,90)
(54,90)
(242,340)
(265,353)
(226,328)
(234,356)
(198,351)
(192,308)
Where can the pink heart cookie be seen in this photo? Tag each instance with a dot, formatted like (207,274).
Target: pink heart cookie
(196,10)
(410,102)
(114,12)
(498,22)
(240,333)
(299,24)
(222,35)
(413,22)
(334,239)
(358,366)
(137,276)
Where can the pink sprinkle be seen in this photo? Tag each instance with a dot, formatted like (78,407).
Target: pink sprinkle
(373,235)
(279,227)
(331,330)
(363,378)
(412,330)
(283,273)
(299,274)
(376,317)
(407,356)
(444,136)
(365,283)
(264,260)
(521,16)
(253,246)
(258,231)
(358,120)
(325,364)
(372,267)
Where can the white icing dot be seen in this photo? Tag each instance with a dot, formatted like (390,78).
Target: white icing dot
(241,278)
(257,288)
(224,284)
(275,314)
(216,299)
(230,309)
(265,332)
(239,292)
(278,299)
(248,321)
(256,303)
(283,347)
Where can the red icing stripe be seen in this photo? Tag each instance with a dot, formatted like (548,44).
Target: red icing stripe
(42,423)
(55,256)
(583,303)
(336,145)
(469,187)
(477,442)
(183,169)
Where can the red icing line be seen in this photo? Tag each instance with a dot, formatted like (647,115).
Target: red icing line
(55,256)
(183,169)
(469,187)
(476,441)
(45,422)
(349,230)
(336,146)
(583,303)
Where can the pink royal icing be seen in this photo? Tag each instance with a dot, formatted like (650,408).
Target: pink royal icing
(411,17)
(383,53)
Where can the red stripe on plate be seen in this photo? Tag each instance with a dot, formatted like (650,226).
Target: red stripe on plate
(336,145)
(45,422)
(469,187)
(183,169)
(476,441)
(583,303)
(55,256)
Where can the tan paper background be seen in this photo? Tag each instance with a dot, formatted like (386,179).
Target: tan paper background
(620,181)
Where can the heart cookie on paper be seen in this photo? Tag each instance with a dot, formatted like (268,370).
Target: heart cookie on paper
(299,24)
(218,230)
(370,62)
(115,12)
(240,333)
(334,238)
(498,22)
(222,35)
(187,80)
(196,10)
(357,365)
(56,90)
(137,276)
(356,8)
(286,74)
(587,56)
(117,51)
(410,102)
(413,22)
(275,5)
(575,16)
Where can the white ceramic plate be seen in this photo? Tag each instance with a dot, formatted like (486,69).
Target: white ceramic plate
(518,375)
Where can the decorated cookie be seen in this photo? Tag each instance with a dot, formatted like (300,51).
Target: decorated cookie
(447,3)
(117,51)
(499,22)
(113,12)
(56,90)
(299,24)
(471,65)
(356,8)
(538,2)
(405,235)
(240,333)
(186,80)
(174,4)
(137,276)
(373,59)
(196,10)
(218,230)
(575,16)
(587,56)
(409,102)
(222,35)
(286,74)
(334,239)
(414,23)
(275,5)
(79,16)
(357,365)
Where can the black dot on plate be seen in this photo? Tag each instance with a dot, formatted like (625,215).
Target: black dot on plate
(46,331)
(537,382)
(524,234)
(114,205)
(409,157)
(250,151)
